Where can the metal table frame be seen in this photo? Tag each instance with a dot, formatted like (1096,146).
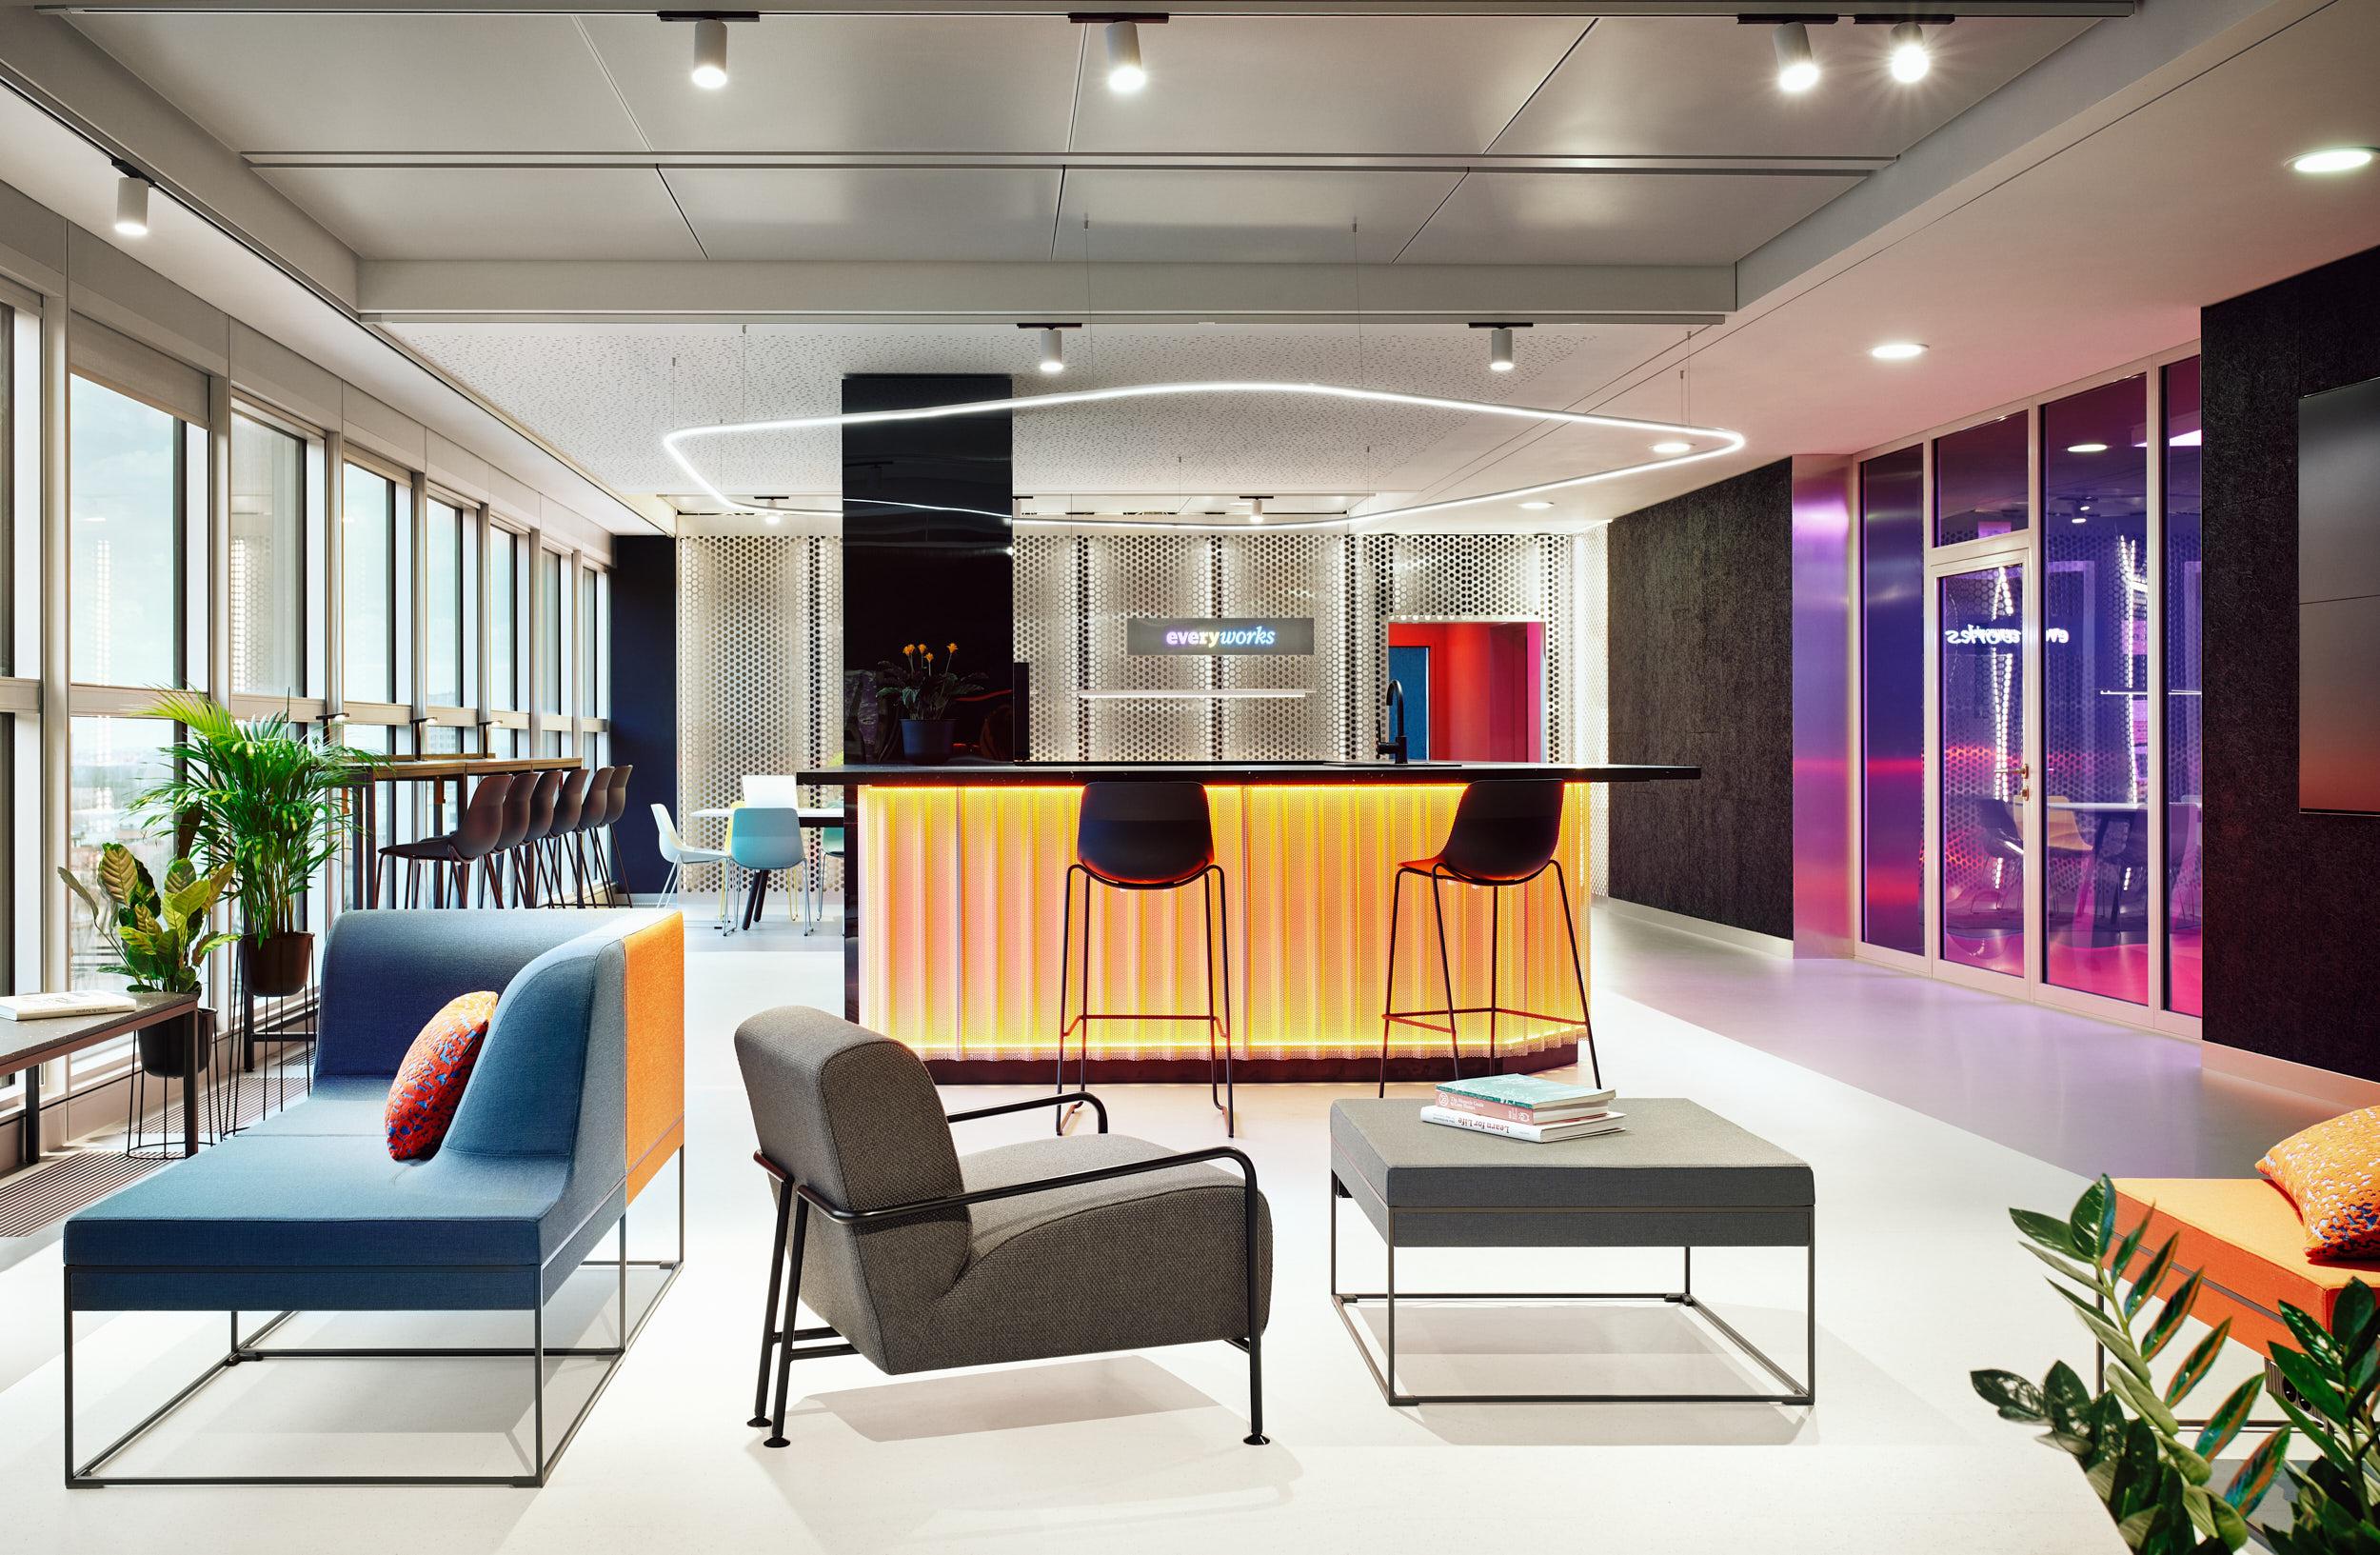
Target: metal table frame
(1801,1393)
(70,1034)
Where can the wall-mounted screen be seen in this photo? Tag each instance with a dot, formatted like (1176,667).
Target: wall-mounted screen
(2338,600)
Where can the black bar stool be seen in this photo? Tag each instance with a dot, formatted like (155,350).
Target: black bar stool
(1505,835)
(568,800)
(516,831)
(1147,837)
(527,870)
(451,855)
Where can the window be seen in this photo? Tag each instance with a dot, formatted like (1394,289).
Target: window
(127,466)
(110,761)
(368,546)
(554,634)
(503,618)
(2185,713)
(1980,476)
(269,600)
(2095,660)
(1893,714)
(444,625)
(591,699)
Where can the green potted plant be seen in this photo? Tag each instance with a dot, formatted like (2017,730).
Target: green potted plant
(160,939)
(259,797)
(920,690)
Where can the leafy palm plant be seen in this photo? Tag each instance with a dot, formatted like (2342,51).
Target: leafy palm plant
(158,932)
(256,797)
(2155,1475)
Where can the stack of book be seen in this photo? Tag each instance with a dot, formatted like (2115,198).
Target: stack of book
(1524,1106)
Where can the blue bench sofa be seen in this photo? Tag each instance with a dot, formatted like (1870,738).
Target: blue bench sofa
(568,1110)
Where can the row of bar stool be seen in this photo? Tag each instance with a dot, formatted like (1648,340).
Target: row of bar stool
(1159,837)
(540,824)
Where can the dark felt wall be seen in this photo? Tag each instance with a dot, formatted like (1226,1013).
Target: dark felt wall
(2291,964)
(1702,671)
(645,696)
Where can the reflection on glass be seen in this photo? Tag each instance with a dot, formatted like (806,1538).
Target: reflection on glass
(602,707)
(268,560)
(1893,714)
(108,761)
(2094,517)
(553,601)
(126,476)
(367,542)
(2184,777)
(1983,782)
(441,643)
(1981,480)
(503,618)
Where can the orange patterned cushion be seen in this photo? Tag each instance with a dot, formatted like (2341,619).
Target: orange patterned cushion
(2332,1172)
(429,1083)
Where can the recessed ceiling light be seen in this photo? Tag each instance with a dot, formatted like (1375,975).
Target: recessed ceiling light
(2086,448)
(132,203)
(710,53)
(2082,521)
(1896,351)
(1912,59)
(1124,73)
(1796,69)
(1672,448)
(773,518)
(2333,159)
(1536,506)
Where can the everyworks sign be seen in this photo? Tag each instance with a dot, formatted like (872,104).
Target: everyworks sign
(1219,637)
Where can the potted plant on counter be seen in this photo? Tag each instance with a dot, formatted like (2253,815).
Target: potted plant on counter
(160,939)
(921,688)
(259,798)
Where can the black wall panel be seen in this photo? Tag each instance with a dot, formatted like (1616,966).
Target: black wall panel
(2290,902)
(1701,624)
(645,696)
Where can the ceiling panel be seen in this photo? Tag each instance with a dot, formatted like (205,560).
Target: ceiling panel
(851,82)
(843,213)
(1513,218)
(1316,85)
(375,83)
(493,213)
(1707,86)
(1245,217)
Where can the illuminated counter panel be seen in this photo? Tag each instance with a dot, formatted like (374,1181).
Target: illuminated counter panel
(960,880)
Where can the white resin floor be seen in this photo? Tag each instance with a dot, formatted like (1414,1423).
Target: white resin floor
(1919,1280)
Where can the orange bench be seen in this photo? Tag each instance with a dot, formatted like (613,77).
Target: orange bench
(2245,1236)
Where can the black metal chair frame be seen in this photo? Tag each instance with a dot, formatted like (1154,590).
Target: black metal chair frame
(1438,874)
(795,1200)
(249,1348)
(1214,903)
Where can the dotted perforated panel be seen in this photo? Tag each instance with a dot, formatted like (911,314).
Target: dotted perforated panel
(1286,576)
(1049,610)
(1147,575)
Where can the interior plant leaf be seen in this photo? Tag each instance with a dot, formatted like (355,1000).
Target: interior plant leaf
(2160,1263)
(2121,1258)
(2170,1317)
(2067,1400)
(2112,1339)
(2046,1231)
(2064,1266)
(2144,1401)
(2197,1363)
(2314,1387)
(2015,1398)
(2311,1337)
(2086,1225)
(119,874)
(178,876)
(2229,1416)
(2254,1477)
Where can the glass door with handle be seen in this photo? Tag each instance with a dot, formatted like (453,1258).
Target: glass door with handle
(1983,744)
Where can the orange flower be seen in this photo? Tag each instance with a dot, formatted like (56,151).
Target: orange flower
(954,648)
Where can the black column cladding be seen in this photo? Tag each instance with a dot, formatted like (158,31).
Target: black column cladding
(926,546)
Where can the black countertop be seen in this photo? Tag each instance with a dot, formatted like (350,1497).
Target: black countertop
(974,773)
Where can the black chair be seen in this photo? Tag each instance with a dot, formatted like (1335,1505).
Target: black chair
(1148,837)
(1505,834)
(451,855)
(608,839)
(516,832)
(526,867)
(568,800)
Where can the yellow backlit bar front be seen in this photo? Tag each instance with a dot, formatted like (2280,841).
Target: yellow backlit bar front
(961,902)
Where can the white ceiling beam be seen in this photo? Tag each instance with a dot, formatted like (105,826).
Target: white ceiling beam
(1754,163)
(1582,10)
(920,292)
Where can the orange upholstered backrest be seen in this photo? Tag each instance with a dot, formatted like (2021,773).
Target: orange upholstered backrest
(656,1032)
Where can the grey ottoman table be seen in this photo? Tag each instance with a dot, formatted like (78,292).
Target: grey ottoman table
(1678,1176)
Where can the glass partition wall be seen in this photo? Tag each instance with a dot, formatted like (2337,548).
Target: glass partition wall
(2029,671)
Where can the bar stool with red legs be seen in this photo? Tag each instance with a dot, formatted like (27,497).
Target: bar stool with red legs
(1505,834)
(1148,837)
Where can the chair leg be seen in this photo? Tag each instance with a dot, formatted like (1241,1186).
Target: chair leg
(1496,932)
(1230,1099)
(1065,980)
(1388,994)
(768,1311)
(1446,975)
(1082,1048)
(792,1309)
(1256,1437)
(1577,972)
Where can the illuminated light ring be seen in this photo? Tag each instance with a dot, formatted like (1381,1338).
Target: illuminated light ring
(1729,442)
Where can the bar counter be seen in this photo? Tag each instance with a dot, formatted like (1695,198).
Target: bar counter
(954,897)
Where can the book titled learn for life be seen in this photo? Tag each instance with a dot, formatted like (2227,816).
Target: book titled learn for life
(1536,1133)
(44,1006)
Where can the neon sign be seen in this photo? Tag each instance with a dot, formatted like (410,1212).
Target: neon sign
(1219,635)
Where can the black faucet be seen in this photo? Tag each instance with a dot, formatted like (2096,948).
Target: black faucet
(1395,748)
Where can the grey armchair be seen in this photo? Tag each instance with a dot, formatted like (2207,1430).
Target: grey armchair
(919,1257)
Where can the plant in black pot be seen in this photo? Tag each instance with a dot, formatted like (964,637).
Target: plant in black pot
(259,797)
(920,688)
(159,935)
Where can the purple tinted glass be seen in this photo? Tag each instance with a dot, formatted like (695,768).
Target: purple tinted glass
(2185,783)
(2096,690)
(1979,481)
(1893,711)
(1983,780)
